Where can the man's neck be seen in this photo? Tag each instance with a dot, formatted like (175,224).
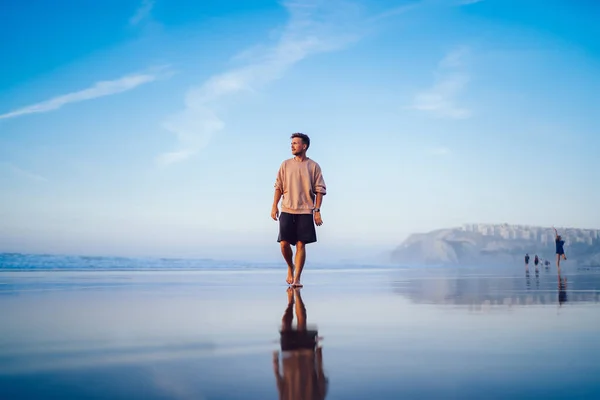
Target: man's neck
(301,157)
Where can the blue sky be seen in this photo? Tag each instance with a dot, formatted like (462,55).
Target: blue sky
(156,128)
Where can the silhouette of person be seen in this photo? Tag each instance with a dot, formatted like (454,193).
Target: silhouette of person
(562,289)
(301,356)
(560,250)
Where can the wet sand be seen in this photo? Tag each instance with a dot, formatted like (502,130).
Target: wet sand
(384,333)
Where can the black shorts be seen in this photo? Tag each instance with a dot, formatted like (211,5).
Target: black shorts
(298,340)
(295,228)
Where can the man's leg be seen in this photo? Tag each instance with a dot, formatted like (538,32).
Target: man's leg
(286,251)
(287,235)
(300,310)
(300,258)
(306,233)
(288,315)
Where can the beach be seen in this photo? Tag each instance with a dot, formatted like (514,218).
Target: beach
(383,332)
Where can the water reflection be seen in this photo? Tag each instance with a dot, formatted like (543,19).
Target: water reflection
(301,375)
(452,287)
(562,289)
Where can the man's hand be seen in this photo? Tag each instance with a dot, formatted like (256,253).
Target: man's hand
(274,212)
(318,219)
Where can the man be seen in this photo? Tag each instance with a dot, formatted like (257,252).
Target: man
(300,183)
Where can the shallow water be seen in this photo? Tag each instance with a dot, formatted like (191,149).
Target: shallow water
(384,334)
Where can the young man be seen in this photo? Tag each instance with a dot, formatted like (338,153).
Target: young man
(300,183)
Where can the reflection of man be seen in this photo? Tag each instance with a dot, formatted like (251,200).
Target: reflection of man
(302,358)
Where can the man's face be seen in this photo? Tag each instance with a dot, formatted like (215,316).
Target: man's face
(298,146)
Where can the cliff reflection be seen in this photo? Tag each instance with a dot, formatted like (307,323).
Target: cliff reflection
(301,375)
(452,287)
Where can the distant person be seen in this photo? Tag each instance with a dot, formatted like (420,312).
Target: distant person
(301,184)
(526,260)
(536,261)
(560,250)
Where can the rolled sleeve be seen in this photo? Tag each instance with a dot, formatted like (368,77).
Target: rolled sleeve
(279,179)
(319,182)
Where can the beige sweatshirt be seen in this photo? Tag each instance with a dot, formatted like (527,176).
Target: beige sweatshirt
(299,182)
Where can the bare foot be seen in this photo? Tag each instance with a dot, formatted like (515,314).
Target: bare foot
(297,283)
(290,276)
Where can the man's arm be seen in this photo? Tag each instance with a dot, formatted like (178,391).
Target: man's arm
(318,200)
(278,193)
(320,190)
(319,186)
(277,197)
(274,209)
(317,213)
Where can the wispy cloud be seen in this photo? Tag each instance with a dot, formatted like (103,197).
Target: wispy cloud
(438,151)
(314,26)
(450,81)
(23,173)
(99,89)
(396,11)
(466,2)
(142,12)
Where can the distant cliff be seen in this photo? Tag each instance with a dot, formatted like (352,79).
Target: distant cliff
(485,244)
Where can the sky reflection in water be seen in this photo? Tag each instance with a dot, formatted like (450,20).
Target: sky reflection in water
(382,333)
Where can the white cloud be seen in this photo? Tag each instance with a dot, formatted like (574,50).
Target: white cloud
(454,59)
(99,89)
(450,81)
(142,12)
(26,174)
(467,2)
(314,26)
(439,151)
(395,11)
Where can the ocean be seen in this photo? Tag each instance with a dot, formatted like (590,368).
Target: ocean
(120,328)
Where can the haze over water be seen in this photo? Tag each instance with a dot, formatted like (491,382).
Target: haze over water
(209,331)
